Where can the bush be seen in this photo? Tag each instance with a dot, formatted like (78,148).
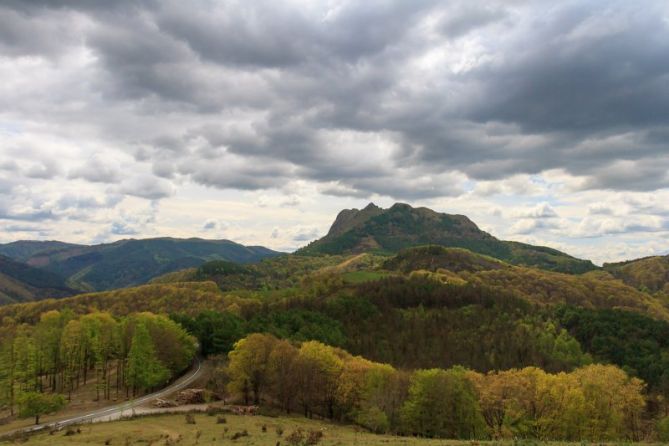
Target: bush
(240,434)
(374,419)
(313,438)
(295,438)
(663,429)
(212,410)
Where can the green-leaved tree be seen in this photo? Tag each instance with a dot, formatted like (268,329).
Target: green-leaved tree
(36,404)
(144,369)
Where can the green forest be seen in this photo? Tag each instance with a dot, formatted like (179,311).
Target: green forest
(595,402)
(432,342)
(123,356)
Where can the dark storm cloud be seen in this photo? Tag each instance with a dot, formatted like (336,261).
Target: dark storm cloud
(269,34)
(595,67)
(34,33)
(257,93)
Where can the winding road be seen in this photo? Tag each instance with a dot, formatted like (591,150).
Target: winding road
(115,412)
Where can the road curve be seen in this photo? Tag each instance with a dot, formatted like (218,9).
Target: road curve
(114,412)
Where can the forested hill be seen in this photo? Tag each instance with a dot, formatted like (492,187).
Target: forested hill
(424,308)
(374,229)
(127,262)
(648,274)
(22,283)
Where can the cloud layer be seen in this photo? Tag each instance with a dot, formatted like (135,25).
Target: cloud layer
(110,109)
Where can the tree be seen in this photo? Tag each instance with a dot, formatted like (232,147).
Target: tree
(71,346)
(662,427)
(36,404)
(217,331)
(614,402)
(386,389)
(7,364)
(46,336)
(564,411)
(319,367)
(442,403)
(144,369)
(101,331)
(281,370)
(248,368)
(174,347)
(26,369)
(508,401)
(351,384)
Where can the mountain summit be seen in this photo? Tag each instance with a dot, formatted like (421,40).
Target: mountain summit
(402,226)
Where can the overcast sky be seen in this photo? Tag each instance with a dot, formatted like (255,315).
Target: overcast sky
(257,121)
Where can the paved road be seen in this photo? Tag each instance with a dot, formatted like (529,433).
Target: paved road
(118,411)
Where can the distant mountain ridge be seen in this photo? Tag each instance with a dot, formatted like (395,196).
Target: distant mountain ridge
(127,262)
(402,226)
(22,283)
(22,250)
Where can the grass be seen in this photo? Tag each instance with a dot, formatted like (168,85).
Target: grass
(356,277)
(262,431)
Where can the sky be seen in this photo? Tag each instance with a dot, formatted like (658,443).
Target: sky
(257,121)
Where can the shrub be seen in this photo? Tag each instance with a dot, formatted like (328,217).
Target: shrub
(313,437)
(663,429)
(240,434)
(295,438)
(374,419)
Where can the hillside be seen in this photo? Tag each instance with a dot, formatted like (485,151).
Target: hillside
(595,289)
(129,262)
(22,283)
(389,230)
(435,257)
(649,273)
(269,274)
(426,307)
(22,250)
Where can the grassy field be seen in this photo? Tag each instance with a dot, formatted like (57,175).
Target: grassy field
(261,431)
(356,277)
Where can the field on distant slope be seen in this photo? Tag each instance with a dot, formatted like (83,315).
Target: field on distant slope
(173,430)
